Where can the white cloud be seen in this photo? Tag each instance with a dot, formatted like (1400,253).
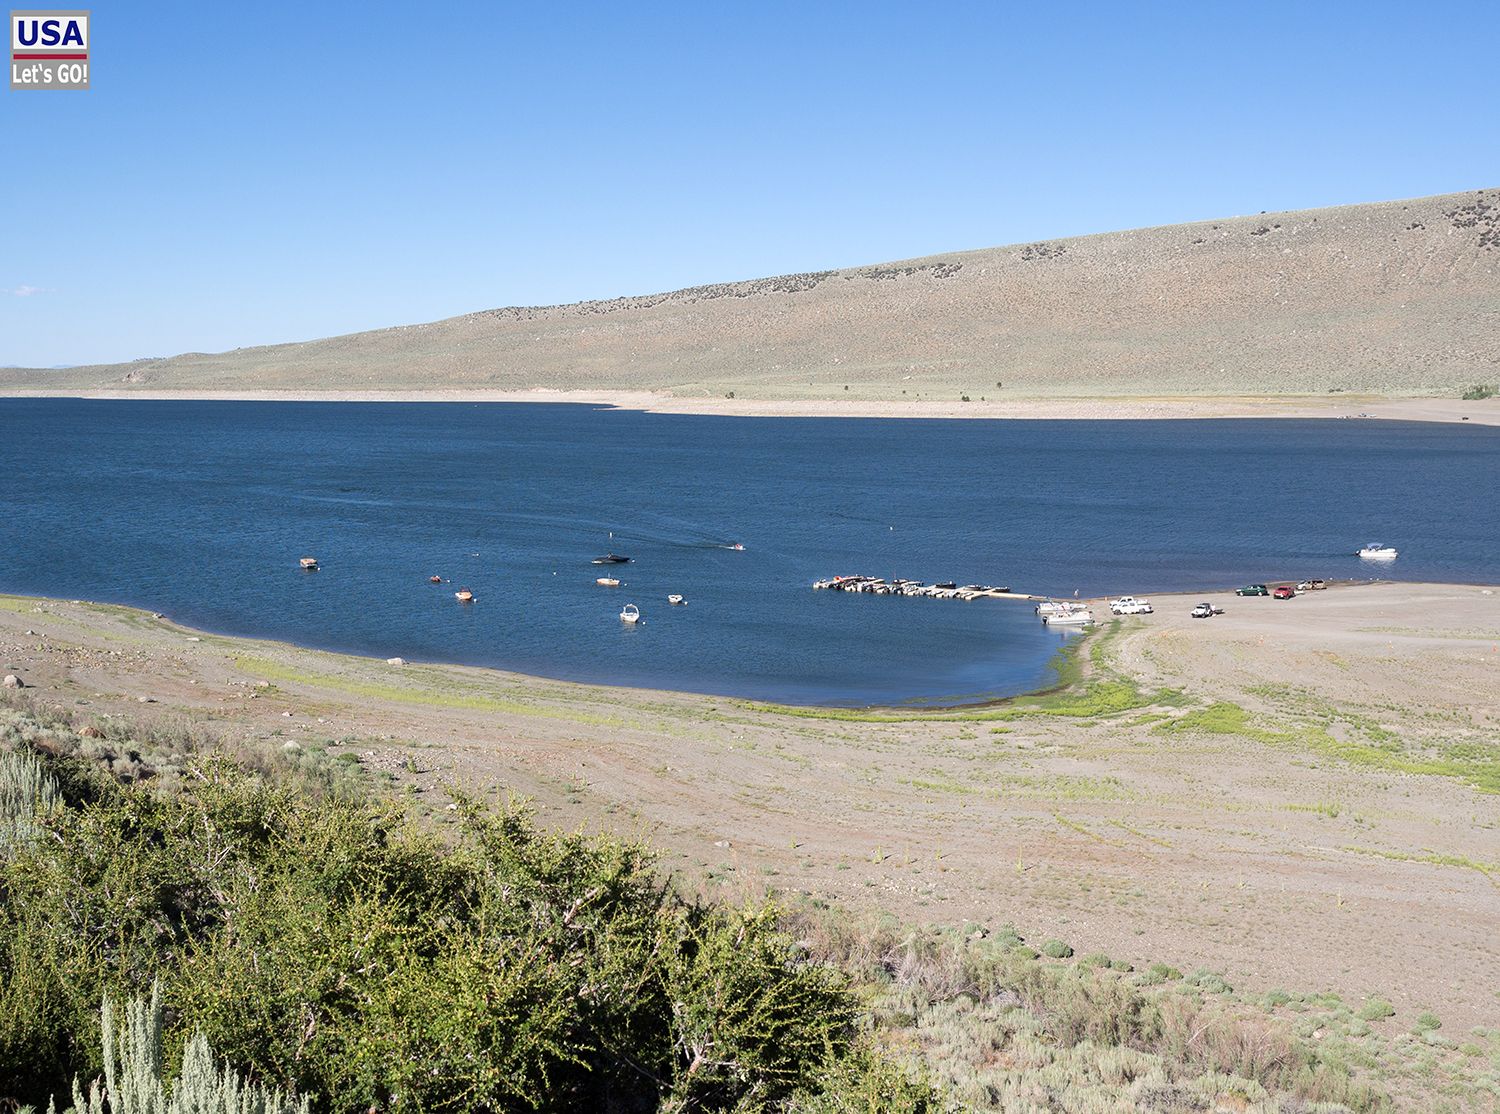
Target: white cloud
(23,291)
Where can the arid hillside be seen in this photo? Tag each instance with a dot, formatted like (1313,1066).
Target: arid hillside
(1397,298)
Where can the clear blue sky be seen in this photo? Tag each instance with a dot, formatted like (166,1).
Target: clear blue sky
(249,173)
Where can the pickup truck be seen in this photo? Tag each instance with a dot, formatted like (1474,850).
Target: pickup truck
(1129,605)
(1203,611)
(1253,590)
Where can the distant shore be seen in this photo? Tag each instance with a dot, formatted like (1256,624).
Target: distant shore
(1124,408)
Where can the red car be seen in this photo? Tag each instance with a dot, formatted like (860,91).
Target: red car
(1284,592)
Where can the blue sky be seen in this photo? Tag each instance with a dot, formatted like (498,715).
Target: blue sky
(250,173)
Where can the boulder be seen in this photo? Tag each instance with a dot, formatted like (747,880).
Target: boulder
(13,682)
(395,661)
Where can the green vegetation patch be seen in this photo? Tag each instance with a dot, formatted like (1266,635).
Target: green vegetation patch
(1476,764)
(332,949)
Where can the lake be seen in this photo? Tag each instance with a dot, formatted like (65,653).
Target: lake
(200,510)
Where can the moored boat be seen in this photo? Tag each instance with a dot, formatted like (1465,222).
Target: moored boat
(309,564)
(1069,618)
(675,599)
(463,595)
(630,614)
(612,559)
(608,581)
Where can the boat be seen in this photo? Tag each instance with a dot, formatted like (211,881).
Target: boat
(463,595)
(434,580)
(1059,607)
(1375,551)
(310,564)
(612,559)
(738,546)
(608,581)
(1069,618)
(675,599)
(630,614)
(949,585)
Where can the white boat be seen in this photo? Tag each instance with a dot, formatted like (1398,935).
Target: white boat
(608,581)
(1377,552)
(1070,618)
(631,614)
(674,599)
(1059,607)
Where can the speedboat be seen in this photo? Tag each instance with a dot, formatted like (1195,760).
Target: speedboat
(463,595)
(611,559)
(1378,552)
(737,546)
(310,564)
(608,581)
(675,599)
(631,614)
(434,580)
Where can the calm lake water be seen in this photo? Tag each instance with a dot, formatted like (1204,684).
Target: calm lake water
(201,510)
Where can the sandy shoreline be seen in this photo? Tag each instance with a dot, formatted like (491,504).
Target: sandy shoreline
(1291,793)
(1486,412)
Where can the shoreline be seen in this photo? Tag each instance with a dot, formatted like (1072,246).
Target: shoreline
(1069,657)
(1484,412)
(1286,775)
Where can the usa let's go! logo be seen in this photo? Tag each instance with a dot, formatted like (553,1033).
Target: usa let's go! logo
(49,50)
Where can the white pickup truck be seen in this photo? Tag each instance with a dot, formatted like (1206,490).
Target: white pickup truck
(1129,605)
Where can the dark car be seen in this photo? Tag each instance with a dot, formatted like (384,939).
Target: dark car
(1253,590)
(1284,592)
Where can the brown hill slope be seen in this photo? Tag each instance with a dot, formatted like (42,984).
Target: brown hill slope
(1398,297)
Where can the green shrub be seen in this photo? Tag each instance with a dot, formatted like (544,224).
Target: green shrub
(1426,1022)
(1158,973)
(331,948)
(1210,982)
(1375,1009)
(1479,391)
(1056,949)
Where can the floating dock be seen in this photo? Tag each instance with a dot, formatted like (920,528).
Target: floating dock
(874,585)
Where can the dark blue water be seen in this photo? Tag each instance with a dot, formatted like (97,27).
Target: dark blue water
(201,510)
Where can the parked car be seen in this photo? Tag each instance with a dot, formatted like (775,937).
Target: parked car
(1284,592)
(1253,590)
(1203,611)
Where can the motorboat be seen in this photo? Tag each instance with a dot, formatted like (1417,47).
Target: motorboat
(608,581)
(434,580)
(1059,607)
(309,564)
(612,559)
(1080,618)
(738,547)
(674,599)
(463,595)
(630,614)
(1375,551)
